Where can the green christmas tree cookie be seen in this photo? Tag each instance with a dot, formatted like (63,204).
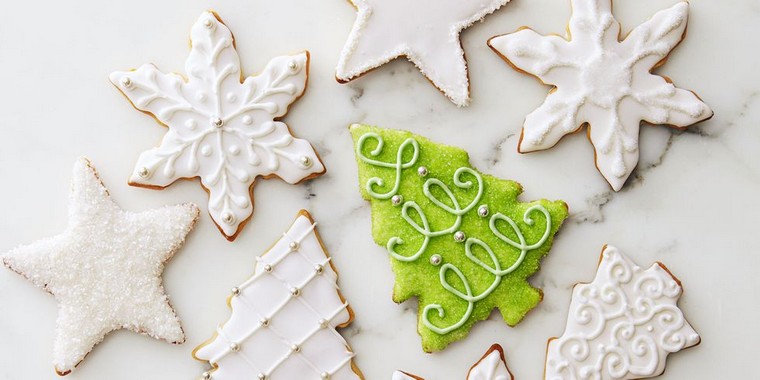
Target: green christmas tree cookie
(459,240)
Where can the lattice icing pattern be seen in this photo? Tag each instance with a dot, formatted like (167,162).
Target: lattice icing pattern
(622,325)
(284,318)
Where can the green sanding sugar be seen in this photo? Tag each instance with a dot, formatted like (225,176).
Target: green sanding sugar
(459,240)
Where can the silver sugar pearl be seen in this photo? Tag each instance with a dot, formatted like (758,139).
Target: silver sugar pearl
(318,268)
(422,171)
(323,323)
(397,199)
(261,376)
(293,245)
(264,322)
(217,122)
(208,23)
(227,218)
(459,236)
(206,376)
(234,347)
(295,348)
(236,291)
(305,161)
(293,65)
(267,268)
(295,292)
(483,211)
(143,172)
(436,259)
(324,376)
(126,82)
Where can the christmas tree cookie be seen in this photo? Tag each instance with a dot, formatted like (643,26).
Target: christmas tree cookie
(105,268)
(603,82)
(222,128)
(284,318)
(622,325)
(458,240)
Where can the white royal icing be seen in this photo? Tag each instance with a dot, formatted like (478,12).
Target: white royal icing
(219,129)
(603,82)
(398,375)
(104,269)
(491,367)
(278,335)
(425,31)
(622,325)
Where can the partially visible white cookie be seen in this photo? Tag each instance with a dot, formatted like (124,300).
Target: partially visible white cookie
(424,31)
(105,268)
(622,325)
(492,366)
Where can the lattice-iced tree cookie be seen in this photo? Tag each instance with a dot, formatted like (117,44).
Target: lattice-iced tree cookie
(221,128)
(284,318)
(622,325)
(424,31)
(459,240)
(105,268)
(492,366)
(603,82)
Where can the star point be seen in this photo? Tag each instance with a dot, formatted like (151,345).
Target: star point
(104,269)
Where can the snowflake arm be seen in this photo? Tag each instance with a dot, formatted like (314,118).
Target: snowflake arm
(533,53)
(545,126)
(221,129)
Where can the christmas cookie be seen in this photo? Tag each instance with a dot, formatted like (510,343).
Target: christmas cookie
(492,366)
(603,82)
(424,31)
(622,325)
(458,240)
(105,269)
(284,317)
(221,128)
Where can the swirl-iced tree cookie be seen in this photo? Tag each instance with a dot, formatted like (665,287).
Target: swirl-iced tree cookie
(105,268)
(492,366)
(424,31)
(603,82)
(284,318)
(221,128)
(622,325)
(458,240)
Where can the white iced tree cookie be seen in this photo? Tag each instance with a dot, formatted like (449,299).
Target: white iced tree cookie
(424,31)
(220,129)
(492,366)
(622,325)
(284,318)
(105,268)
(603,82)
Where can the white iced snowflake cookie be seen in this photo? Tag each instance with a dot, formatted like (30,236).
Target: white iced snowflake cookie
(284,318)
(622,325)
(104,269)
(603,82)
(220,129)
(424,31)
(492,366)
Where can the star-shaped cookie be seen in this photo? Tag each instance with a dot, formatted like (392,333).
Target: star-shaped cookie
(221,128)
(424,31)
(603,82)
(105,268)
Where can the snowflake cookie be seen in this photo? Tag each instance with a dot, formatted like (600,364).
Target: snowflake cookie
(603,82)
(424,31)
(104,269)
(284,318)
(622,325)
(221,128)
(458,240)
(492,366)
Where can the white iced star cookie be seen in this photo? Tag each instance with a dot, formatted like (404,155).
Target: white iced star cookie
(603,82)
(622,325)
(284,318)
(424,31)
(105,268)
(219,129)
(492,366)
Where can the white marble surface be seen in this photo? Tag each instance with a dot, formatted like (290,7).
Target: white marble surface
(691,204)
